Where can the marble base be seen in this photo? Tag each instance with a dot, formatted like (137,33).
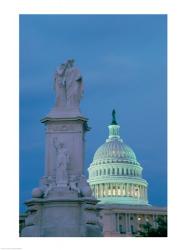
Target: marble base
(57,217)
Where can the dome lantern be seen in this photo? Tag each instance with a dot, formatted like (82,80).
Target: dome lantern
(113,128)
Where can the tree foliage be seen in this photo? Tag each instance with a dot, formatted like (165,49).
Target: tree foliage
(147,230)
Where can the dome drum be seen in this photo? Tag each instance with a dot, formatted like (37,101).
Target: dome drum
(116,169)
(125,193)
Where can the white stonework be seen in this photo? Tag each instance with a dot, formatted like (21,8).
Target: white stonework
(63,204)
(124,220)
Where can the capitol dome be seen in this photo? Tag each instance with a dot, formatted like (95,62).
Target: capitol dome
(114,151)
(115,175)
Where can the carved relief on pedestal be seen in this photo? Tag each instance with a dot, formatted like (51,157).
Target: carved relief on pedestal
(62,162)
(63,128)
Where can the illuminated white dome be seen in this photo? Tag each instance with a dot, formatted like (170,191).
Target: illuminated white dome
(114,151)
(115,175)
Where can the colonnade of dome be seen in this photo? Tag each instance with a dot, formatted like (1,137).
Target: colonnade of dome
(120,190)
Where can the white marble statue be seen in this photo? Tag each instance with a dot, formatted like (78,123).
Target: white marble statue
(68,86)
(62,161)
(59,86)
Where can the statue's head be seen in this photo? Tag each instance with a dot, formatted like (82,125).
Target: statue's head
(60,69)
(70,62)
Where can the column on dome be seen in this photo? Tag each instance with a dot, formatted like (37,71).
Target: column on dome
(95,190)
(109,191)
(143,192)
(146,195)
(104,190)
(100,190)
(121,189)
(116,189)
(133,190)
(137,192)
(128,190)
(140,192)
(98,186)
(126,187)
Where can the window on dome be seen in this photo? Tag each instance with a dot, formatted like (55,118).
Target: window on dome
(114,191)
(100,172)
(134,173)
(130,171)
(118,171)
(119,191)
(113,171)
(136,192)
(123,191)
(127,171)
(122,172)
(104,171)
(97,172)
(109,171)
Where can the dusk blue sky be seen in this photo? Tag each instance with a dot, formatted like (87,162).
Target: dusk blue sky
(123,60)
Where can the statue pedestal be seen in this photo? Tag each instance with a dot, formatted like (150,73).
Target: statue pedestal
(70,131)
(62,217)
(62,205)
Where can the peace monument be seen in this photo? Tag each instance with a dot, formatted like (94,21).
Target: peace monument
(63,204)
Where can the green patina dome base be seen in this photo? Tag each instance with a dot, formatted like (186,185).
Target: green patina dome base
(122,200)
